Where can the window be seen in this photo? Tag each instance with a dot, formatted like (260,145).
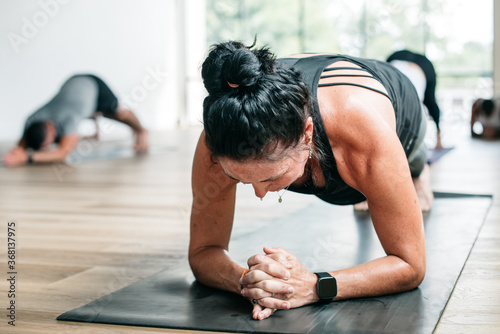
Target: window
(456,35)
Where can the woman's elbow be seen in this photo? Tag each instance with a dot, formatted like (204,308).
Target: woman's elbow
(417,275)
(192,260)
(196,263)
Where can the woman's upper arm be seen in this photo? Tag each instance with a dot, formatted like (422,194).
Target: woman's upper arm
(372,160)
(212,210)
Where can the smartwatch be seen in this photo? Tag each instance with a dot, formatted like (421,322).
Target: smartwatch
(326,287)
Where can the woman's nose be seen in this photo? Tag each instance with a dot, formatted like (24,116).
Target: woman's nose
(260,189)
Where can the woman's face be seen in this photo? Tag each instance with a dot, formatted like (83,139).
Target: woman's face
(268,175)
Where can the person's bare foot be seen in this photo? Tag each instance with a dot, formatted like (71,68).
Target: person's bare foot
(95,136)
(363,206)
(141,141)
(423,188)
(439,146)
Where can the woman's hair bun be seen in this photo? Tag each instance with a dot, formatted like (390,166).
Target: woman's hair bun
(232,64)
(254,103)
(241,68)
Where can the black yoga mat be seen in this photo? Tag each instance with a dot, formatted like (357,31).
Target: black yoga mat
(324,237)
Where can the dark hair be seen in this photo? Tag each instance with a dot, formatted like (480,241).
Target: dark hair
(35,134)
(254,104)
(487,107)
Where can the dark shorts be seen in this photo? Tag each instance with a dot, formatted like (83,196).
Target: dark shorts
(107,102)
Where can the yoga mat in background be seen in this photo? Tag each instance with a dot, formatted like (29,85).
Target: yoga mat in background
(436,154)
(94,152)
(110,151)
(324,237)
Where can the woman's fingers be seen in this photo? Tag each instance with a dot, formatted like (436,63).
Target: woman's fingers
(256,310)
(283,253)
(255,293)
(279,255)
(269,285)
(269,266)
(260,312)
(255,275)
(274,303)
(259,293)
(272,250)
(265,284)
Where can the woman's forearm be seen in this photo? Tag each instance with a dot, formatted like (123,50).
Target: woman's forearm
(382,276)
(214,267)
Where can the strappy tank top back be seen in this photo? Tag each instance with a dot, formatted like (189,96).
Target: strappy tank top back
(400,92)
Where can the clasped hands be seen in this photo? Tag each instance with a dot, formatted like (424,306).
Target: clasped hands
(15,157)
(277,280)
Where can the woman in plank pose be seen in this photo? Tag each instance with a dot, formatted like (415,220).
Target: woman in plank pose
(344,129)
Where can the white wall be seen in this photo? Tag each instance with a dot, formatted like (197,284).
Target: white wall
(130,44)
(196,52)
(496,47)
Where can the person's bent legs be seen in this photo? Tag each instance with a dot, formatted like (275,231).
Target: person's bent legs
(126,116)
(423,188)
(420,169)
(432,107)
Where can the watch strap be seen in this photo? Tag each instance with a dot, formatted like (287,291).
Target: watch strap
(323,275)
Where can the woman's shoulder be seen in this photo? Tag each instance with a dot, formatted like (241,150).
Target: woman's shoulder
(350,114)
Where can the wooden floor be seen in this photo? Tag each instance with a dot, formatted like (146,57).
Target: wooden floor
(86,230)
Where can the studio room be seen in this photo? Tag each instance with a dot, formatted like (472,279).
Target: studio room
(250,166)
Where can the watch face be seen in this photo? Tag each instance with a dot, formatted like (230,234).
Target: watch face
(327,288)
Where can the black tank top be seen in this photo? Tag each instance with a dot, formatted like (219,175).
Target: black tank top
(401,93)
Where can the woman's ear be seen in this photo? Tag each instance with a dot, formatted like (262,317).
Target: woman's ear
(309,130)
